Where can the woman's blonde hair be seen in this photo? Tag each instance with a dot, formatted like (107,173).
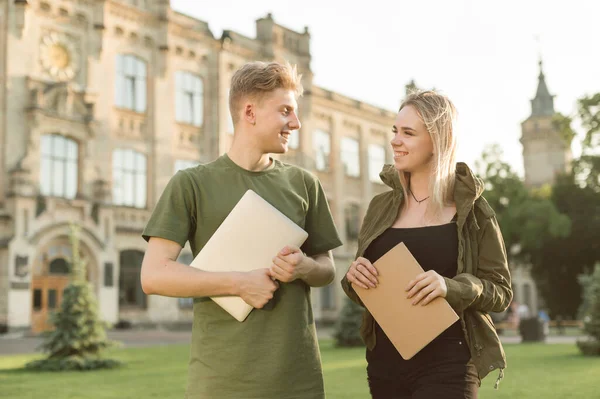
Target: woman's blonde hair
(438,114)
(256,79)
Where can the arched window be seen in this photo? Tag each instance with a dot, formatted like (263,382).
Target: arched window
(59,266)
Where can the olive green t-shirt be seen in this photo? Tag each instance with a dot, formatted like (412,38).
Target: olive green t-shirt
(273,353)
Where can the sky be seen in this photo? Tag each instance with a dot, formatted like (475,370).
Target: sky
(482,54)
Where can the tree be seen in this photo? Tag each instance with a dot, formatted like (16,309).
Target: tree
(79,336)
(347,331)
(559,261)
(563,124)
(529,221)
(591,314)
(526,217)
(504,190)
(576,194)
(587,167)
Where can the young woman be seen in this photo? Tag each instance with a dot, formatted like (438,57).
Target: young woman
(435,207)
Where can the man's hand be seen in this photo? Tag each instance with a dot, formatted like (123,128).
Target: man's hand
(256,287)
(426,287)
(289,265)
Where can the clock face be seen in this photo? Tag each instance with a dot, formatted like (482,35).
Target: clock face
(59,57)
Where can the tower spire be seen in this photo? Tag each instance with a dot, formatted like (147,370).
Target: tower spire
(543,102)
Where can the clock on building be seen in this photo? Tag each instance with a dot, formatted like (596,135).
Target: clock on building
(59,56)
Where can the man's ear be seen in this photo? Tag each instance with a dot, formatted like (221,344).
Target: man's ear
(250,113)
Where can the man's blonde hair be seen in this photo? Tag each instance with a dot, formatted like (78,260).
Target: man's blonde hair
(256,79)
(438,114)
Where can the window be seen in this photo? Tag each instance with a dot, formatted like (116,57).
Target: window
(130,285)
(350,156)
(59,165)
(108,274)
(59,266)
(188,99)
(322,148)
(181,164)
(327,298)
(130,91)
(62,251)
(129,178)
(352,219)
(52,296)
(376,162)
(37,299)
(21,266)
(294,139)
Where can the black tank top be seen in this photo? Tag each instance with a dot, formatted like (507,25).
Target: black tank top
(435,248)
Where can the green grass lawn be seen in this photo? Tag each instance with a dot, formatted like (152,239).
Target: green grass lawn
(536,371)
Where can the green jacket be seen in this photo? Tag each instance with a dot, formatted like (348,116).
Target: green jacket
(482,283)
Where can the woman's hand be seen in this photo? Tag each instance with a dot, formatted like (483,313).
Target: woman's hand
(426,287)
(362,273)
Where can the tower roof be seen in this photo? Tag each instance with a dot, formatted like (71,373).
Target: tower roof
(543,103)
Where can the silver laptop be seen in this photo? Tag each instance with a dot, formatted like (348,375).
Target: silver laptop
(250,236)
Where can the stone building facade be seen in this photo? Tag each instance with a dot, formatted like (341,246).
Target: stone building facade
(101,102)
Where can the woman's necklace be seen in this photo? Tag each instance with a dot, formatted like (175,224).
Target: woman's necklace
(415,198)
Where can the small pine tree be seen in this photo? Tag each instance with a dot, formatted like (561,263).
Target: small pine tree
(347,332)
(79,335)
(591,315)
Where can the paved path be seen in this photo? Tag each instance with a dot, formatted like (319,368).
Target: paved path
(11,344)
(15,344)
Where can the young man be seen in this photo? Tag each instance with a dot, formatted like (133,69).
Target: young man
(273,353)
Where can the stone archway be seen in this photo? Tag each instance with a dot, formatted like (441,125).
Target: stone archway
(51,276)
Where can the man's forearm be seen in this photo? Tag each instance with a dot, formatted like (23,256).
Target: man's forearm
(173,279)
(318,271)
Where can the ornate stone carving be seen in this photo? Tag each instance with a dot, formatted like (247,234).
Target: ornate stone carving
(20,182)
(64,100)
